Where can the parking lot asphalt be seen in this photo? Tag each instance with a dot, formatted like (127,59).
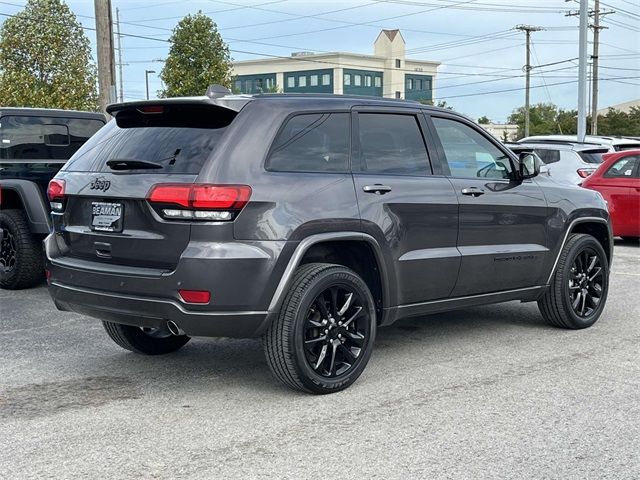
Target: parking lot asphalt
(489,392)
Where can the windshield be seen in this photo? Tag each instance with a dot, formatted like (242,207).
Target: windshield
(178,142)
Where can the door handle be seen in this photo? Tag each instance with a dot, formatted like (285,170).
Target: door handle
(473,191)
(377,189)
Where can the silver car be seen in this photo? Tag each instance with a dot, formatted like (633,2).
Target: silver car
(567,163)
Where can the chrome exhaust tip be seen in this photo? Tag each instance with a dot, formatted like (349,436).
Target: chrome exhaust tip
(174,329)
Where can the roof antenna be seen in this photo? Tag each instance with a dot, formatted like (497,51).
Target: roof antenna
(217,91)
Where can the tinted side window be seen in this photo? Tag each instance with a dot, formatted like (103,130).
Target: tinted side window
(392,144)
(547,155)
(468,153)
(622,168)
(317,142)
(43,138)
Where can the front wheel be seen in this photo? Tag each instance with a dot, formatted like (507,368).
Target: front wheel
(323,336)
(578,290)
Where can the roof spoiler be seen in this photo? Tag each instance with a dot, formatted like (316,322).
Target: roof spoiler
(217,91)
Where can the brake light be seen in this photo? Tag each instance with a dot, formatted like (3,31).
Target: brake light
(55,192)
(199,201)
(195,296)
(584,172)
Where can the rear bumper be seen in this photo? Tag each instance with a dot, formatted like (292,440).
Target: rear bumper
(155,312)
(239,275)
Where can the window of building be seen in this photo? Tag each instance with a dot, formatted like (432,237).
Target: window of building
(398,95)
(248,86)
(238,85)
(347,79)
(367,80)
(418,84)
(326,79)
(377,81)
(392,144)
(313,80)
(398,63)
(259,84)
(269,83)
(623,167)
(291,82)
(312,143)
(409,84)
(302,81)
(469,153)
(426,84)
(357,80)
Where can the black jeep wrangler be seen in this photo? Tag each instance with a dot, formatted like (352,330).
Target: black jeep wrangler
(34,145)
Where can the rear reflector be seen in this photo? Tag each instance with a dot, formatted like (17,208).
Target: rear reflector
(195,296)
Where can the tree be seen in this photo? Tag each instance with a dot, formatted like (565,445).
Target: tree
(484,120)
(45,59)
(439,103)
(198,57)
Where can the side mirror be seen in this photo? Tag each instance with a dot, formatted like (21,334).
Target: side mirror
(529,166)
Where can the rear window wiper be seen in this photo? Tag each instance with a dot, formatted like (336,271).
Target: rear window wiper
(123,164)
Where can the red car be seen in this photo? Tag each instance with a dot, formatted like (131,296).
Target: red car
(618,180)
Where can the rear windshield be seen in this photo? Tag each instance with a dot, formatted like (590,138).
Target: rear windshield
(28,137)
(626,146)
(179,139)
(592,156)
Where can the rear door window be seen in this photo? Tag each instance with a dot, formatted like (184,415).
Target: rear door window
(548,155)
(178,138)
(391,144)
(24,137)
(317,142)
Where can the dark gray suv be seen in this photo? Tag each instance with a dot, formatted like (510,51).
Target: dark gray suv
(311,221)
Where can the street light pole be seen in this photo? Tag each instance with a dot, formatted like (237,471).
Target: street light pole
(146,80)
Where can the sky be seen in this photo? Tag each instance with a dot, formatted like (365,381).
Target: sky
(482,55)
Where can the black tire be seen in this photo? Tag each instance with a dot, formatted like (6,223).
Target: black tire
(349,335)
(558,305)
(149,342)
(21,257)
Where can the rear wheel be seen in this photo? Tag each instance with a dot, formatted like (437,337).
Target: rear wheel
(578,290)
(21,258)
(323,337)
(147,341)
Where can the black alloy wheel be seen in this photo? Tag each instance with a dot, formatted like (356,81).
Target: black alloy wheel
(336,331)
(585,285)
(8,250)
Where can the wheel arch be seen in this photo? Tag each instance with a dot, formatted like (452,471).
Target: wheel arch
(355,250)
(25,195)
(597,227)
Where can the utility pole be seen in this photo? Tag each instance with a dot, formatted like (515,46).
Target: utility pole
(597,13)
(582,70)
(120,64)
(146,80)
(104,40)
(527,29)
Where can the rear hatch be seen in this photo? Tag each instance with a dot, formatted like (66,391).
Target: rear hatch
(104,213)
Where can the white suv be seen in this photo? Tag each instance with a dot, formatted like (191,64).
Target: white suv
(614,144)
